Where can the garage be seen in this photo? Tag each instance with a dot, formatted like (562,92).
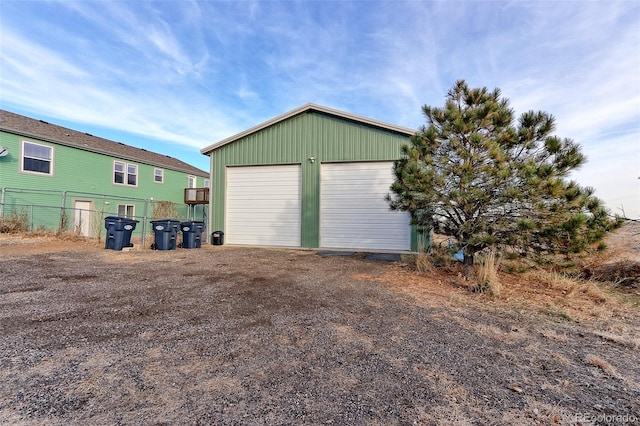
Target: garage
(263,205)
(313,177)
(353,210)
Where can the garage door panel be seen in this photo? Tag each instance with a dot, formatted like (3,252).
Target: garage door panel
(353,209)
(263,205)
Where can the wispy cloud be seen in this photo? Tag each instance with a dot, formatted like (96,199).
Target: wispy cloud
(194,72)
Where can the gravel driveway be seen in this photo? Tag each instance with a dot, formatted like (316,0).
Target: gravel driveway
(228,335)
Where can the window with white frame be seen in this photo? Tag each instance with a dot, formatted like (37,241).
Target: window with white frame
(125,174)
(132,175)
(158,175)
(191,182)
(37,158)
(207,182)
(126,210)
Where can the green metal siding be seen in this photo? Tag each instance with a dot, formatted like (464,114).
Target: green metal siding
(293,141)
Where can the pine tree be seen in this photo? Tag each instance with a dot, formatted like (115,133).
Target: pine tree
(475,175)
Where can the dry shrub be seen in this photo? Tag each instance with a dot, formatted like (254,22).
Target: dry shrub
(626,273)
(437,257)
(18,221)
(487,274)
(164,210)
(555,280)
(424,263)
(571,287)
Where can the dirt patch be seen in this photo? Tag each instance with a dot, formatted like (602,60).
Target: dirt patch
(227,335)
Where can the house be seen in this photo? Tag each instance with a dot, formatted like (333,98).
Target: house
(60,178)
(313,177)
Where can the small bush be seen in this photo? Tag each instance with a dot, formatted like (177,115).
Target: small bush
(625,273)
(18,221)
(164,210)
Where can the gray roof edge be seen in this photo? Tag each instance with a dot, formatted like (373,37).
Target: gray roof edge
(189,169)
(301,109)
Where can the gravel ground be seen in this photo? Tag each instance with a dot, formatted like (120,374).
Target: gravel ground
(228,335)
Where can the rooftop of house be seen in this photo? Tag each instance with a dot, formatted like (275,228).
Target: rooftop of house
(38,129)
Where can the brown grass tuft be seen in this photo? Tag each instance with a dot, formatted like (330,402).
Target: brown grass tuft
(424,263)
(487,274)
(603,365)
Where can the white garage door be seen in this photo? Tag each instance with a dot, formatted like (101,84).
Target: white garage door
(353,211)
(263,205)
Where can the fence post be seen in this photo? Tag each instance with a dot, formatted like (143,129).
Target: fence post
(144,223)
(62,212)
(4,190)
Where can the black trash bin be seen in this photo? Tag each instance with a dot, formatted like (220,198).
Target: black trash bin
(166,233)
(217,238)
(192,234)
(119,231)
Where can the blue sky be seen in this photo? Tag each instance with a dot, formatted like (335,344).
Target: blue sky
(176,76)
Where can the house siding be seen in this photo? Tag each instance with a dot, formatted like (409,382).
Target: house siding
(86,171)
(293,141)
(81,171)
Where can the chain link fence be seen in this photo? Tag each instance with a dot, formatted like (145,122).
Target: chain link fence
(83,213)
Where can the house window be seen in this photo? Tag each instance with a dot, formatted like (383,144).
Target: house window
(118,172)
(126,210)
(132,174)
(207,182)
(37,158)
(158,175)
(125,174)
(191,182)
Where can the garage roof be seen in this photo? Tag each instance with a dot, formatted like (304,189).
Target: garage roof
(300,110)
(38,129)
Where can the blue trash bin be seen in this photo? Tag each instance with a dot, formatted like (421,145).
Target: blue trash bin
(119,230)
(166,233)
(192,234)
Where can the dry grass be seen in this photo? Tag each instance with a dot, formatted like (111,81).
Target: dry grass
(15,222)
(552,291)
(572,288)
(424,263)
(487,274)
(602,364)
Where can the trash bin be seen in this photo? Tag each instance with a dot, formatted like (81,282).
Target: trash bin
(166,233)
(217,238)
(119,231)
(192,234)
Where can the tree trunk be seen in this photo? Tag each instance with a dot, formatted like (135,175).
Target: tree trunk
(467,263)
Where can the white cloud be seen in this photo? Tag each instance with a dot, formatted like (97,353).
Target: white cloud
(194,72)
